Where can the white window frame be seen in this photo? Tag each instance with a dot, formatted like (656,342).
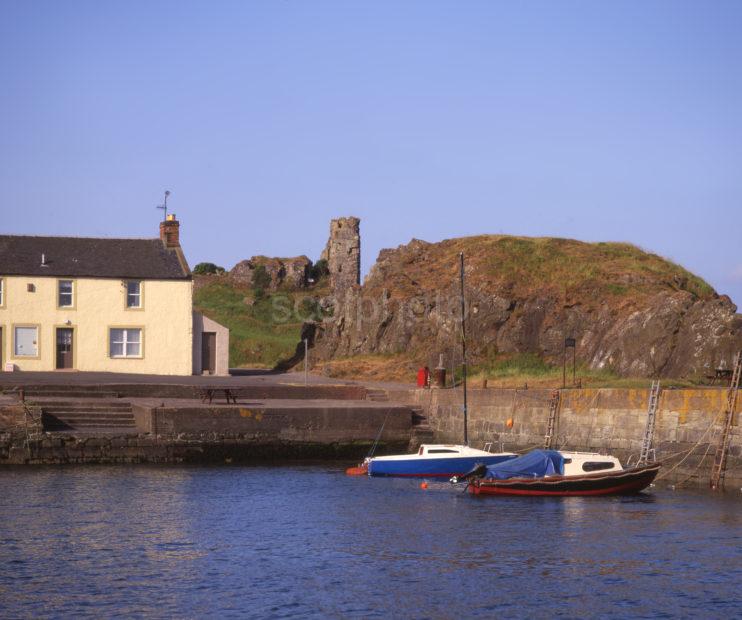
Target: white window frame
(16,354)
(138,295)
(125,341)
(71,293)
(2,292)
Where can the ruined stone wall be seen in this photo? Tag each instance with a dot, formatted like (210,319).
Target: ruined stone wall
(290,272)
(343,254)
(688,424)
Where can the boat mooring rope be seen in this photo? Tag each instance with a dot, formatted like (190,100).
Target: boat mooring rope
(378,435)
(690,450)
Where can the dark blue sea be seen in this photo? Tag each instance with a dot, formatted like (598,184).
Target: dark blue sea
(309,542)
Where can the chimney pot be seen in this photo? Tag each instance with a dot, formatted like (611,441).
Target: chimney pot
(170,232)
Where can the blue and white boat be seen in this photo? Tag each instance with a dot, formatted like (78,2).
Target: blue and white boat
(435,460)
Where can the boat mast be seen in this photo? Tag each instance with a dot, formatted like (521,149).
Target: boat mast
(463,347)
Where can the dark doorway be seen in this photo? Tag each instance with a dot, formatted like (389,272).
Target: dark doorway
(64,347)
(208,353)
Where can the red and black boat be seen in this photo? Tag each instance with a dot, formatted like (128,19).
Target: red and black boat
(556,473)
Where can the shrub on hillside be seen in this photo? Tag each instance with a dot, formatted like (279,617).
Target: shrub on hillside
(261,280)
(204,269)
(319,270)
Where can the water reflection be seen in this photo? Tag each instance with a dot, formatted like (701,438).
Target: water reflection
(309,541)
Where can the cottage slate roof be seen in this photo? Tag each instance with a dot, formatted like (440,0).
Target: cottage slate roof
(89,257)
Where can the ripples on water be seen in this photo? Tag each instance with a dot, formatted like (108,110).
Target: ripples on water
(309,541)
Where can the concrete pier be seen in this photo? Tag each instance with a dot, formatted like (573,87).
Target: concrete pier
(68,419)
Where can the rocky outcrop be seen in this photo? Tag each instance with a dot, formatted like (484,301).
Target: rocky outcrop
(290,272)
(629,311)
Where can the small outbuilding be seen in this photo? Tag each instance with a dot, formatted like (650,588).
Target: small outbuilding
(210,346)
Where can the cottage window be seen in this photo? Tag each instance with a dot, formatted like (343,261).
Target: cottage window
(26,342)
(65,294)
(134,294)
(125,342)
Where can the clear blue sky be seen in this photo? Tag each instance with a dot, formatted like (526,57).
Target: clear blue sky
(431,119)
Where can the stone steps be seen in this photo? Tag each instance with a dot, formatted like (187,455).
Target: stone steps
(86,414)
(62,406)
(72,392)
(377,395)
(421,430)
(53,423)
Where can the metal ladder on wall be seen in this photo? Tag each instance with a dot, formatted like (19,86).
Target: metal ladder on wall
(654,401)
(720,460)
(553,414)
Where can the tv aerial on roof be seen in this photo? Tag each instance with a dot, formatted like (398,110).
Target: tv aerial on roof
(163,206)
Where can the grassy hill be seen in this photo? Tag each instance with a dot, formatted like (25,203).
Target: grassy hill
(524,266)
(603,283)
(264,329)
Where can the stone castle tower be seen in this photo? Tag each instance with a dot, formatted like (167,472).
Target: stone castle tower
(343,253)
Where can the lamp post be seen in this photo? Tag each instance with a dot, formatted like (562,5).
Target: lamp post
(569,342)
(306,359)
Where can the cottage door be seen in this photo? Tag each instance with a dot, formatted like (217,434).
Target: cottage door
(64,347)
(208,353)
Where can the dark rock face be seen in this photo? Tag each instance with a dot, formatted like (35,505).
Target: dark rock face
(291,272)
(645,322)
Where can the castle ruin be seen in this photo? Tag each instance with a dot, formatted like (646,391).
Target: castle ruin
(343,254)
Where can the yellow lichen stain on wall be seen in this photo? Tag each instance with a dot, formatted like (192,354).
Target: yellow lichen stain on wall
(248,413)
(581,400)
(592,398)
(638,398)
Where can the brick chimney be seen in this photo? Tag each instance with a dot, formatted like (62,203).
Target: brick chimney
(170,232)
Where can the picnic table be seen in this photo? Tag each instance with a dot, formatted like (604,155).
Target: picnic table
(229,393)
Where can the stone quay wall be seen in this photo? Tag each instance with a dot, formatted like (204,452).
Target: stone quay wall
(313,423)
(62,449)
(687,429)
(293,391)
(219,434)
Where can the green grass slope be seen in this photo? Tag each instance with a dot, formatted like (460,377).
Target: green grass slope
(263,331)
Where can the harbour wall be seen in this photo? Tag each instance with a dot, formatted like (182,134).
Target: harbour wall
(291,391)
(687,431)
(202,434)
(330,423)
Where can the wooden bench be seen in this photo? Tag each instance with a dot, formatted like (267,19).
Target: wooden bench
(720,375)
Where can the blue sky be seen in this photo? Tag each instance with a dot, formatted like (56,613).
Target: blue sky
(614,121)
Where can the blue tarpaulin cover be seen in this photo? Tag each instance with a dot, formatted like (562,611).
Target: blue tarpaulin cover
(535,464)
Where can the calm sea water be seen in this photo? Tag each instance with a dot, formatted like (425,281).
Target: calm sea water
(307,541)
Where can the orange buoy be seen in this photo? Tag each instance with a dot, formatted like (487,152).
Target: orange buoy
(423,485)
(509,423)
(361,470)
